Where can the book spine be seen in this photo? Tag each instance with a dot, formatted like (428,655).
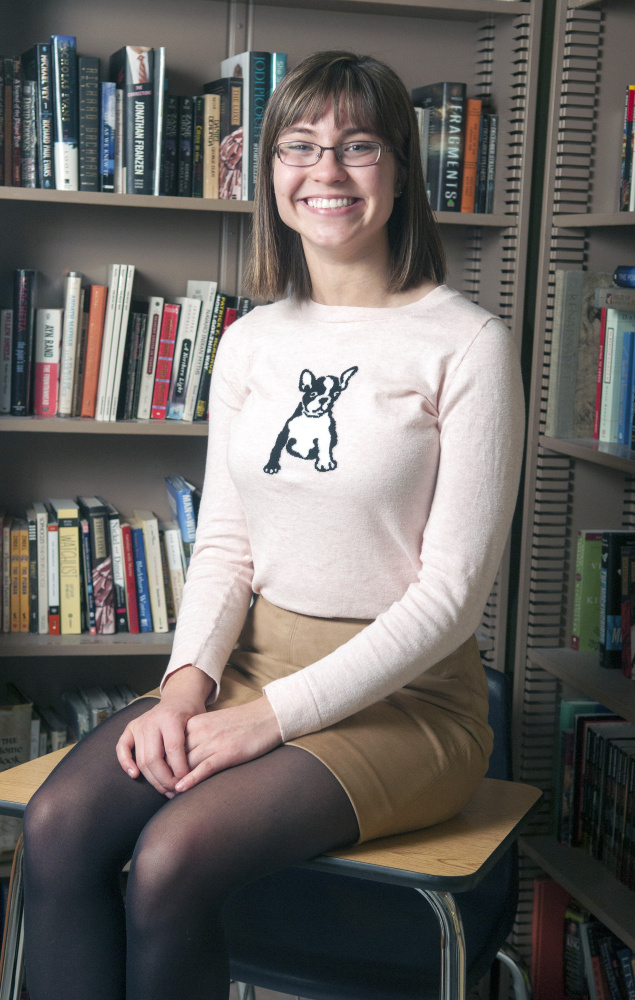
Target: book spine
(70,338)
(118,572)
(158,83)
(2,120)
(625,409)
(470,158)
(278,69)
(28,155)
(202,399)
(120,170)
(94,339)
(182,367)
(207,295)
(167,582)
(122,312)
(198,118)
(492,145)
(176,564)
(614,298)
(15,577)
(625,958)
(617,324)
(141,580)
(611,597)
(165,358)
(16,123)
(132,611)
(107,138)
(53,579)
(23,336)
(259,85)
(41,522)
(481,170)
(132,70)
(135,359)
(6,344)
(102,569)
(46,170)
(185,147)
(33,587)
(586,604)
(609,964)
(89,100)
(80,355)
(70,582)
(150,354)
(8,125)
(169,156)
(66,118)
(182,507)
(600,371)
(48,335)
(106,350)
(155,575)
(6,574)
(627,151)
(211,145)
(25,590)
(88,576)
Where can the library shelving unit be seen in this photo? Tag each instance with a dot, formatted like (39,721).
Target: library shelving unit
(491,44)
(572,484)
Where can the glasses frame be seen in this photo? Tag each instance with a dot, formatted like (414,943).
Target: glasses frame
(381,148)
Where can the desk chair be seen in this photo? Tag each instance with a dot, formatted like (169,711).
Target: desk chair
(344,926)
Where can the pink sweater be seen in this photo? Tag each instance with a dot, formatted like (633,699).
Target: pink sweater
(362,463)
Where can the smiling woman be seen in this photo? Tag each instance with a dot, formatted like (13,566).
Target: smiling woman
(325,684)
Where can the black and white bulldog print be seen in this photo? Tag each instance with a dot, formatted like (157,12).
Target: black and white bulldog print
(311,432)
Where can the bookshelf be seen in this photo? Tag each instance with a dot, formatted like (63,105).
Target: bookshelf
(571,484)
(494,42)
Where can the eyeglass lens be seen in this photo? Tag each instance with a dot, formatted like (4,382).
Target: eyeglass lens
(352,154)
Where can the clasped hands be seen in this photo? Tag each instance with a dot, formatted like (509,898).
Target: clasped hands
(177,743)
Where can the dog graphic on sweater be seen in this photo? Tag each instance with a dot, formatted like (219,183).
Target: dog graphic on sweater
(311,432)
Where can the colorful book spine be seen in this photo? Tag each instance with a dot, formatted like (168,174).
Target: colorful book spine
(154,567)
(255,70)
(95,512)
(23,337)
(107,138)
(185,147)
(89,133)
(132,610)
(611,596)
(53,575)
(218,317)
(230,91)
(94,339)
(25,601)
(131,67)
(118,567)
(169,326)
(67,514)
(278,69)
(211,145)
(88,576)
(625,411)
(42,521)
(617,323)
(626,180)
(470,158)
(492,146)
(65,112)
(48,337)
(46,168)
(181,506)
(16,123)
(445,159)
(70,338)
(141,578)
(586,603)
(183,356)
(205,291)
(150,356)
(33,591)
(6,345)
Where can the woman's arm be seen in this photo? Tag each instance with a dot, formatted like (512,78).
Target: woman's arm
(481,420)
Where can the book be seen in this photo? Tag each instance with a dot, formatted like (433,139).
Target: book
(132,611)
(95,512)
(230,92)
(423,129)
(77,715)
(94,339)
(626,179)
(625,408)
(170,143)
(610,965)
(53,574)
(628,608)
(586,602)
(6,345)
(611,596)
(132,361)
(28,155)
(65,112)
(89,133)
(618,322)
(175,557)
(617,298)
(596,983)
(159,94)
(625,958)
(119,181)
(470,158)
(278,70)
(16,123)
(118,567)
(7,134)
(107,137)
(80,354)
(213,340)
(33,591)
(42,522)
(566,764)
(197,146)
(141,577)
(150,526)
(67,515)
(101,413)
(150,356)
(20,552)
(23,336)
(36,64)
(132,68)
(169,326)
(181,504)
(447,103)
(167,582)
(492,146)
(211,145)
(87,576)
(18,525)
(54,727)
(255,70)
(183,351)
(574,353)
(6,572)
(124,298)
(481,165)
(573,959)
(48,338)
(205,292)
(185,147)
(70,337)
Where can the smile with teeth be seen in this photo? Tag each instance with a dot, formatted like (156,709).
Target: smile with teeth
(330,202)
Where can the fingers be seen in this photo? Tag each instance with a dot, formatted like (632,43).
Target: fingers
(202,771)
(174,747)
(124,753)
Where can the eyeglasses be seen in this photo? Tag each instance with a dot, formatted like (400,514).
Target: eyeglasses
(351,154)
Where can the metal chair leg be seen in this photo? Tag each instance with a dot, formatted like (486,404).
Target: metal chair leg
(12,959)
(452,944)
(521,981)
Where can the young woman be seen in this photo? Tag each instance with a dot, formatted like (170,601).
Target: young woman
(364,452)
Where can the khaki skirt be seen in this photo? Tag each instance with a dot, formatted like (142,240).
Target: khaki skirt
(408,761)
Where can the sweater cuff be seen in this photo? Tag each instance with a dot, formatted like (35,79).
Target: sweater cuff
(294,706)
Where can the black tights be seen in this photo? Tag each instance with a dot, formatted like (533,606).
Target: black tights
(188,854)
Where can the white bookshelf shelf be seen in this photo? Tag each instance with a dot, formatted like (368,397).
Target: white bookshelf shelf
(120,644)
(589,881)
(464,10)
(593,220)
(612,456)
(583,673)
(82,425)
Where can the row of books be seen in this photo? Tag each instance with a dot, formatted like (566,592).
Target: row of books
(595,785)
(62,126)
(592,367)
(28,730)
(458,137)
(70,566)
(626,200)
(109,356)
(604,597)
(574,956)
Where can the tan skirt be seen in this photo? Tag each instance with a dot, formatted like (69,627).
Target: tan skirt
(408,761)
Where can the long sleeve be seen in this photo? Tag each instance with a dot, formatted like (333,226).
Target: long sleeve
(480,424)
(218,587)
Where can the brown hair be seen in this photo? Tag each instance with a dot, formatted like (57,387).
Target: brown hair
(375,99)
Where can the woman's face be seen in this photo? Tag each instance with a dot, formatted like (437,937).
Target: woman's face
(337,210)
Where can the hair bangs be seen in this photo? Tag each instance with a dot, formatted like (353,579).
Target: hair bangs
(350,91)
